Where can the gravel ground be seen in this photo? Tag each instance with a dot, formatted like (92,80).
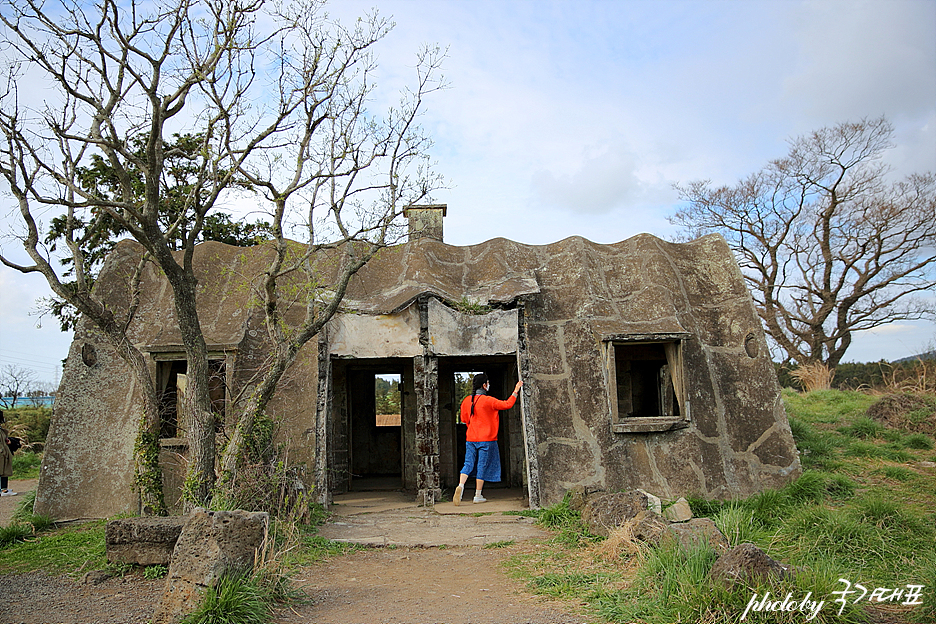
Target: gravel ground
(36,598)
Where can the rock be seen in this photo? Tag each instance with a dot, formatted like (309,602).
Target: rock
(647,526)
(95,577)
(746,562)
(577,497)
(604,512)
(653,502)
(696,531)
(212,543)
(680,511)
(147,540)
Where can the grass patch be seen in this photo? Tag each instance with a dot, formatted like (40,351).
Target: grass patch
(26,465)
(66,550)
(859,511)
(313,548)
(897,473)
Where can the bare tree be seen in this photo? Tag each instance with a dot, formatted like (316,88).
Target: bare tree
(828,245)
(15,383)
(126,76)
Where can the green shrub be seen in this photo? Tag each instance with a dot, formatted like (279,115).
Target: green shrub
(840,486)
(926,613)
(16,532)
(865,449)
(809,488)
(568,522)
(739,526)
(817,449)
(887,515)
(31,423)
(897,473)
(704,507)
(566,585)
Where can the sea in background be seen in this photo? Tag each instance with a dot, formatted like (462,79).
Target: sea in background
(42,401)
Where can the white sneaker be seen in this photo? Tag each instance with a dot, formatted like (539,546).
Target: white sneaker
(479,499)
(458,494)
(8,493)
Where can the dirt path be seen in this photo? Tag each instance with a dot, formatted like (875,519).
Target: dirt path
(465,585)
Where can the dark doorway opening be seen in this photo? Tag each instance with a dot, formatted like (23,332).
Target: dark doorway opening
(375,401)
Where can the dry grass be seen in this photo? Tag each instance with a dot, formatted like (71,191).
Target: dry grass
(918,378)
(815,376)
(620,544)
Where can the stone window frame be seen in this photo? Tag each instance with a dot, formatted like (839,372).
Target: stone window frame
(645,424)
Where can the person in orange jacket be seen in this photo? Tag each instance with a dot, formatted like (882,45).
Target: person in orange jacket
(481,413)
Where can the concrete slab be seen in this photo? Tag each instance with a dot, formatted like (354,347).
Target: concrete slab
(393,519)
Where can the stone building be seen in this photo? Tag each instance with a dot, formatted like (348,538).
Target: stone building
(645,366)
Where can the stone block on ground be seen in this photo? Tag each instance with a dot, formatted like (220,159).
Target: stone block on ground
(647,526)
(603,513)
(747,563)
(212,544)
(680,511)
(696,531)
(577,497)
(147,540)
(653,501)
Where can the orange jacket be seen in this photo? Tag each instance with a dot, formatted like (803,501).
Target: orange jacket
(483,425)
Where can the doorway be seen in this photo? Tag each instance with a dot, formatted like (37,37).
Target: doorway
(376,404)
(455,375)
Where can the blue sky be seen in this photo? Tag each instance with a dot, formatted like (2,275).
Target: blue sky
(576,118)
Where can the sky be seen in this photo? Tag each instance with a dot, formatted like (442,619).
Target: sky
(577,117)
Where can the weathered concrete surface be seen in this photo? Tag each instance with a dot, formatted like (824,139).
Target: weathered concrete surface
(212,544)
(146,540)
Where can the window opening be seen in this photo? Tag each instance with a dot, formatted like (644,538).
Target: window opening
(387,394)
(648,386)
(172,378)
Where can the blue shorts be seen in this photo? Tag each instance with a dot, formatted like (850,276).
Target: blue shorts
(482,461)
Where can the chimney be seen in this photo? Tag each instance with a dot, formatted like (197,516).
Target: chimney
(425,221)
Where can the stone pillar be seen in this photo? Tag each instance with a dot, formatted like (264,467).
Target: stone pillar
(426,377)
(323,406)
(526,416)
(428,489)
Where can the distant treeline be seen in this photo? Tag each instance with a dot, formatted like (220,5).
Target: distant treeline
(866,376)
